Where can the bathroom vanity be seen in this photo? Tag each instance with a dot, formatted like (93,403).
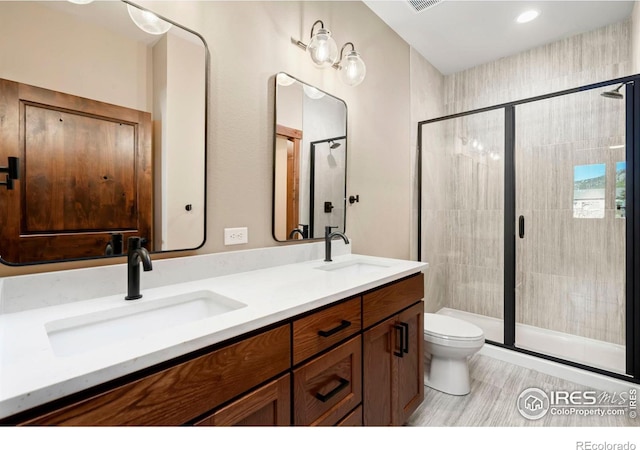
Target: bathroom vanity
(314,344)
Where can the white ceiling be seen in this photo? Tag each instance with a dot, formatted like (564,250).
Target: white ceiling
(455,35)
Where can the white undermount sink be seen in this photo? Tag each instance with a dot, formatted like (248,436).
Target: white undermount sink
(74,335)
(354,267)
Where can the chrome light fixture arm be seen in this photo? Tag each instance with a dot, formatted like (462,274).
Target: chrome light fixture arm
(323,52)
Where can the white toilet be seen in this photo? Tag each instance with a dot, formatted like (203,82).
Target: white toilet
(448,343)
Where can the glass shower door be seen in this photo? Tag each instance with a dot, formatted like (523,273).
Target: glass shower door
(463,217)
(570,174)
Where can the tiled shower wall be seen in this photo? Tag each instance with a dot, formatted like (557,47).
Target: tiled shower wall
(463,187)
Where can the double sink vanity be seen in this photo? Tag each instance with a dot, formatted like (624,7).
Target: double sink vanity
(305,342)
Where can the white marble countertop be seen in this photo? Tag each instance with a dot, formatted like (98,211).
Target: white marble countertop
(31,374)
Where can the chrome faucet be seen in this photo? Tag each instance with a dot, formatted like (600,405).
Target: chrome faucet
(136,254)
(328,236)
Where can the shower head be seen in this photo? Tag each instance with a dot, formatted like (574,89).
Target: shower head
(613,94)
(333,144)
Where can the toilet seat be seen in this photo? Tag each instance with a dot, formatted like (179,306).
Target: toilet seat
(438,327)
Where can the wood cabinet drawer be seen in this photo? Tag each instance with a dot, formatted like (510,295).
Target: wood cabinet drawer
(384,302)
(179,394)
(321,330)
(354,419)
(269,405)
(329,386)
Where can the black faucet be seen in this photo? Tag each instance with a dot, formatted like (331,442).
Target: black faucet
(136,253)
(304,233)
(328,235)
(114,246)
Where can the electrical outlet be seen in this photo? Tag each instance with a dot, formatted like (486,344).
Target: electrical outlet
(234,236)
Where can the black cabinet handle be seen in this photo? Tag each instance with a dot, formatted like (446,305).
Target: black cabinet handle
(521,227)
(405,326)
(343,324)
(401,329)
(324,398)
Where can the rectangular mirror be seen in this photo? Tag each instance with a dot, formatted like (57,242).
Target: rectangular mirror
(310,161)
(108,123)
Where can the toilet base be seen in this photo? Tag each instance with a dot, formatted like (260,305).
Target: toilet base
(447,375)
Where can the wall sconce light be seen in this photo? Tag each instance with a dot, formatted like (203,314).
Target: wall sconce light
(322,48)
(312,93)
(324,53)
(285,80)
(148,21)
(352,67)
(145,20)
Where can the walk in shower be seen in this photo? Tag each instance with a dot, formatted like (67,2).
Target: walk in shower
(527,222)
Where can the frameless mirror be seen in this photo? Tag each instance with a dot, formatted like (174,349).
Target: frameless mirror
(108,125)
(310,157)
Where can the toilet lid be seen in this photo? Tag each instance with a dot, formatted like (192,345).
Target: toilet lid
(439,325)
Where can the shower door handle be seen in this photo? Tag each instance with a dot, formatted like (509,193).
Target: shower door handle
(521,227)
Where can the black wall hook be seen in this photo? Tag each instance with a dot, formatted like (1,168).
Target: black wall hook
(355,199)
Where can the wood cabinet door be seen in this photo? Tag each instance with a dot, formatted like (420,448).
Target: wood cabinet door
(85,172)
(393,384)
(380,343)
(269,405)
(410,374)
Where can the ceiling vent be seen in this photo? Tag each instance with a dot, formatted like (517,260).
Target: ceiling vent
(422,5)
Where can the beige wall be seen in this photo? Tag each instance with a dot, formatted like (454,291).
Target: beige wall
(427,102)
(107,61)
(249,43)
(240,165)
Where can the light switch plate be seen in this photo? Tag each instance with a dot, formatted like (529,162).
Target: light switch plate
(235,236)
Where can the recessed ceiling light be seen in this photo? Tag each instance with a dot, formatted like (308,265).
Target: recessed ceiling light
(527,16)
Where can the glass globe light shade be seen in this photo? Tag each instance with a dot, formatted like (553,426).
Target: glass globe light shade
(352,69)
(81,2)
(312,93)
(148,21)
(285,80)
(323,49)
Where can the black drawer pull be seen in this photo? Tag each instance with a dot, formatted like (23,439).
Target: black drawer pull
(399,353)
(405,347)
(344,324)
(324,398)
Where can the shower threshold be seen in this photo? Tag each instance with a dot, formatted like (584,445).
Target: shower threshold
(590,352)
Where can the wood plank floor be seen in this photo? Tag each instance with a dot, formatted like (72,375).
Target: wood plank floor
(495,387)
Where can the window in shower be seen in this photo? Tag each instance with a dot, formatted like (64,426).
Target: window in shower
(589,191)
